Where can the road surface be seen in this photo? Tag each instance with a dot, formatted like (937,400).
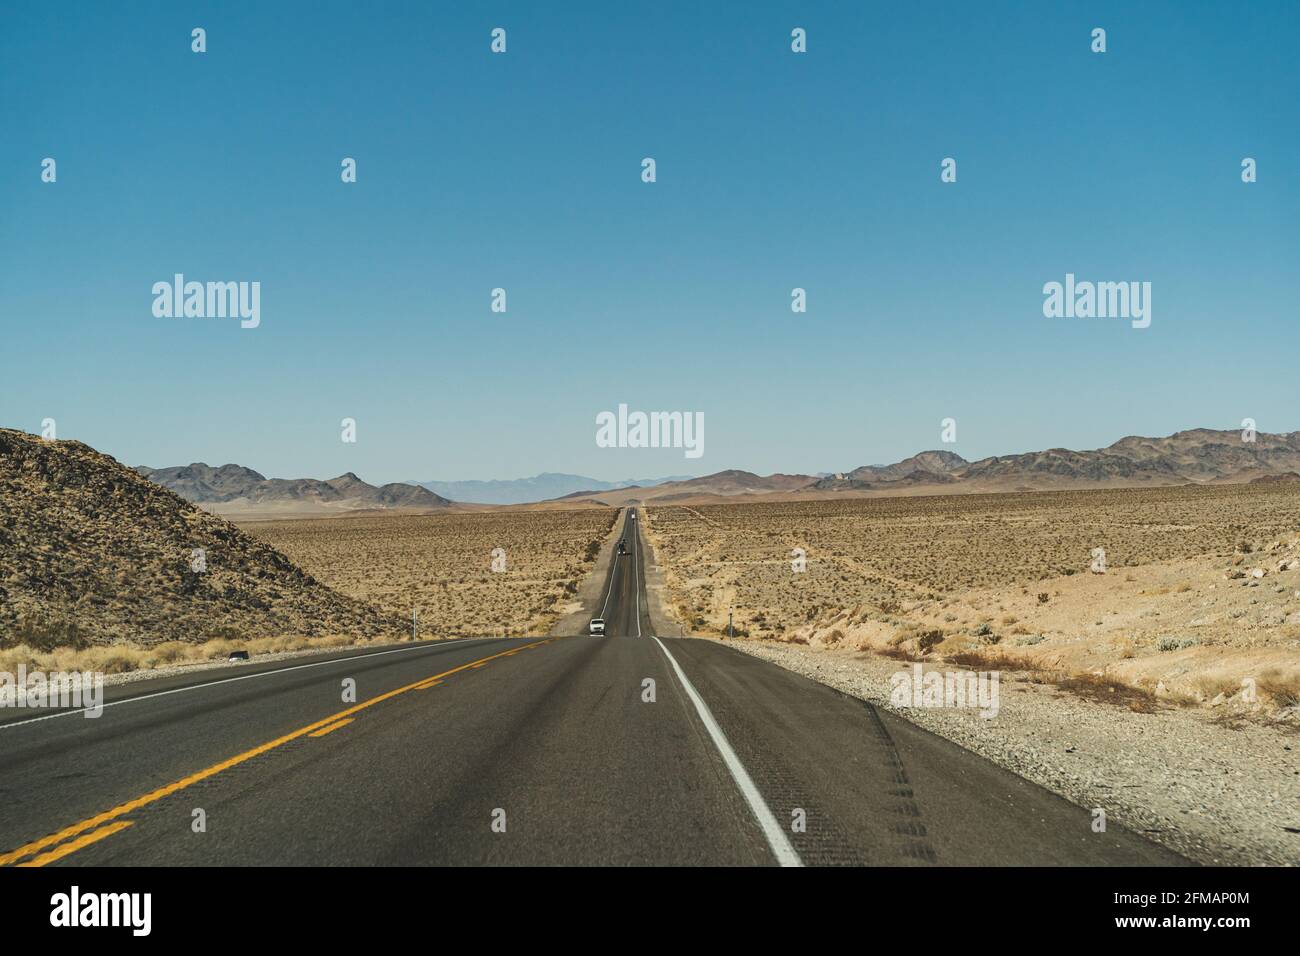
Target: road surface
(520,751)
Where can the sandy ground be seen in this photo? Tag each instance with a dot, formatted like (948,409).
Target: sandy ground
(1184,632)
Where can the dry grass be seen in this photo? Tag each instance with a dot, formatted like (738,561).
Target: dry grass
(1281,688)
(129,656)
(1106,690)
(991,661)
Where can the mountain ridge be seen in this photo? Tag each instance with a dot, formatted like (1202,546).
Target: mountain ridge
(544,486)
(1196,456)
(1192,456)
(201,483)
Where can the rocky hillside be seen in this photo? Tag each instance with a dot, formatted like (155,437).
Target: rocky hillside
(203,484)
(90,550)
(926,463)
(1201,455)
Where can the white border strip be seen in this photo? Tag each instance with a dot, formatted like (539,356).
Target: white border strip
(776,839)
(636,580)
(613,573)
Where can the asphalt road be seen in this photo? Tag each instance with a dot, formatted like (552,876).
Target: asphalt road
(626,749)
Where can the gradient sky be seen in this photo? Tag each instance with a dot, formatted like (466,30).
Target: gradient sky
(522,170)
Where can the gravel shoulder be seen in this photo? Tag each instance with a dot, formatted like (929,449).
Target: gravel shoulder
(1217,793)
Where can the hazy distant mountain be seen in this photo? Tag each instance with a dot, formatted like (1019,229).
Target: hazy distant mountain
(235,485)
(538,488)
(736,482)
(722,484)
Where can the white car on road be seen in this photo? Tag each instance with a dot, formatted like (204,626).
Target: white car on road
(597,628)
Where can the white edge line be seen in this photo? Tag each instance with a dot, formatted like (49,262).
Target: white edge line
(614,556)
(227,680)
(776,839)
(636,583)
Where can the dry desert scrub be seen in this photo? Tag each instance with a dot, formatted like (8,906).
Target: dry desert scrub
(125,657)
(882,550)
(441,565)
(1201,592)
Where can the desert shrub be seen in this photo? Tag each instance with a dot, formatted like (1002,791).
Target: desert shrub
(110,659)
(1107,690)
(1283,690)
(1211,687)
(986,660)
(929,639)
(170,652)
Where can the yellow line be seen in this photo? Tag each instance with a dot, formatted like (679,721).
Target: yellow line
(332,727)
(166,791)
(430,683)
(81,842)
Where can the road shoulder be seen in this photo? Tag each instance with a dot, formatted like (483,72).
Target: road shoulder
(1217,795)
(577,611)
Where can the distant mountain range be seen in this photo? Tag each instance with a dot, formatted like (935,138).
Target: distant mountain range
(538,488)
(1197,456)
(234,488)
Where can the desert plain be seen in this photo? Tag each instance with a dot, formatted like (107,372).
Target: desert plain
(506,572)
(1179,593)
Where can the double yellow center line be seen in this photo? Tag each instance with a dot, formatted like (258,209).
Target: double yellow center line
(333,722)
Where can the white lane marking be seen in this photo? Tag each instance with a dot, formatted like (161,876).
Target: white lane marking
(776,839)
(636,581)
(227,680)
(610,590)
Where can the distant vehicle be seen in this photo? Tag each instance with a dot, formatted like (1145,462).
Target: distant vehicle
(633,515)
(622,547)
(238,656)
(597,628)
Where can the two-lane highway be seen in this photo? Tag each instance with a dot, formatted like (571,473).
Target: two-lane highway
(624,607)
(626,749)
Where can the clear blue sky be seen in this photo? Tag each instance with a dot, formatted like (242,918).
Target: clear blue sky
(775,170)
